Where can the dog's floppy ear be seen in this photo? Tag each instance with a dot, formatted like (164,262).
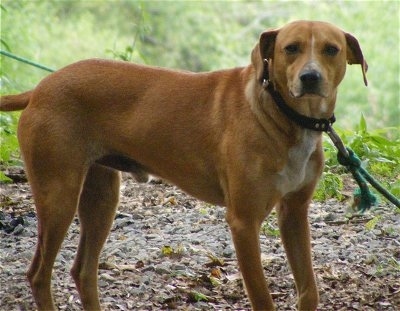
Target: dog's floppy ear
(264,50)
(355,55)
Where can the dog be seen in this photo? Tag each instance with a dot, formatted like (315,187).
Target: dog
(221,136)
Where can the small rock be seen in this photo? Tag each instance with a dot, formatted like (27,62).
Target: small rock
(18,230)
(330,217)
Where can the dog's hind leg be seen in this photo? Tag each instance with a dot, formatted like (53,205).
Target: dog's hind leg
(56,166)
(96,211)
(56,195)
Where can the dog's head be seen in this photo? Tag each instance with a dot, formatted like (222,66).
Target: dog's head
(306,58)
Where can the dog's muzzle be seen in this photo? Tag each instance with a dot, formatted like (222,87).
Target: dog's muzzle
(310,83)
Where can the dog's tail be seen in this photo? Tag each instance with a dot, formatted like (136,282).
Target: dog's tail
(15,102)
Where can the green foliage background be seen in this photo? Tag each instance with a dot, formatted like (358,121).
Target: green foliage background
(208,35)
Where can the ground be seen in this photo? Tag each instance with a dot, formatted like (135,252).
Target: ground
(167,250)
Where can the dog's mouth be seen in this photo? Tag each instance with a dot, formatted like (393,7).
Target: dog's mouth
(304,92)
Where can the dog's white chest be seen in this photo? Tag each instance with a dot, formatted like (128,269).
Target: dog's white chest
(299,170)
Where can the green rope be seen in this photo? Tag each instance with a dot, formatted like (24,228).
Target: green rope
(363,197)
(26,61)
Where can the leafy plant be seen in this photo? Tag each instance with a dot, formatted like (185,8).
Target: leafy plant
(125,55)
(270,226)
(196,296)
(174,252)
(8,139)
(370,225)
(330,186)
(9,148)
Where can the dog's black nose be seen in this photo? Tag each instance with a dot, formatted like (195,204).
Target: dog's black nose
(310,77)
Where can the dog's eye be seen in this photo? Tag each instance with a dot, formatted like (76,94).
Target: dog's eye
(331,50)
(292,49)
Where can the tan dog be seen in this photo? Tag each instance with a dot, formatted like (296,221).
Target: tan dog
(220,136)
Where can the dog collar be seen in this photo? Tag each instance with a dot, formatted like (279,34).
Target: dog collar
(319,125)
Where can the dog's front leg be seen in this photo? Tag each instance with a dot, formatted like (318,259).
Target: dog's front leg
(245,227)
(295,234)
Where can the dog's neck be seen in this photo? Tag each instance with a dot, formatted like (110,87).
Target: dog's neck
(313,107)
